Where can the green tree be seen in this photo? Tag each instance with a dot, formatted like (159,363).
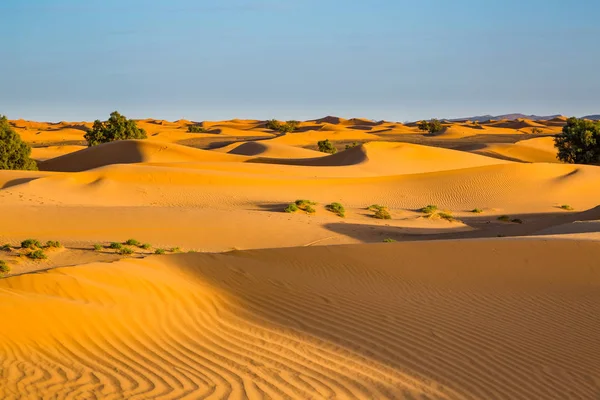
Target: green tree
(14,152)
(423,125)
(579,142)
(434,126)
(118,127)
(325,146)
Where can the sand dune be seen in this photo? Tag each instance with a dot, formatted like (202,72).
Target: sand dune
(531,150)
(344,322)
(129,152)
(268,149)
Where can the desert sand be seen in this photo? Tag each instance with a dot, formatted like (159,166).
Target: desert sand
(498,303)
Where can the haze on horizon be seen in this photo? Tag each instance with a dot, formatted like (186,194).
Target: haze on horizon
(383,59)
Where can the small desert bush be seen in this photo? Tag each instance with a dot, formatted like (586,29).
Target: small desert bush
(53,244)
(132,242)
(145,246)
(430,209)
(4,268)
(97,247)
(388,240)
(31,244)
(175,250)
(517,221)
(376,207)
(382,214)
(566,207)
(325,146)
(504,218)
(336,208)
(196,129)
(477,210)
(125,251)
(6,247)
(292,208)
(536,131)
(37,255)
(349,146)
(306,205)
(115,245)
(447,216)
(160,251)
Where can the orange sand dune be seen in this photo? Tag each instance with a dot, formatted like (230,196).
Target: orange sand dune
(268,149)
(48,152)
(128,152)
(531,150)
(345,322)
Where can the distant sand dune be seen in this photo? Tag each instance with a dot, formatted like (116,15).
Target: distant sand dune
(346,322)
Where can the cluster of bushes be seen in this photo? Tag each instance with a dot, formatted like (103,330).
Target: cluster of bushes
(325,146)
(506,218)
(380,212)
(196,129)
(304,205)
(125,248)
(432,126)
(432,211)
(282,127)
(336,208)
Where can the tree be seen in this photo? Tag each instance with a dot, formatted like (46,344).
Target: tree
(432,126)
(423,125)
(14,152)
(118,127)
(579,142)
(435,126)
(325,146)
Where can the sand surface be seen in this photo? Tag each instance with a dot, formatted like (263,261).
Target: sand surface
(498,303)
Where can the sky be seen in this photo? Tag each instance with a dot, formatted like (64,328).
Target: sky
(396,60)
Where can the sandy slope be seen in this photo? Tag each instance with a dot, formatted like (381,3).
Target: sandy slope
(530,150)
(345,322)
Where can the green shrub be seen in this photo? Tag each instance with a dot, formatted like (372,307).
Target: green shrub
(116,246)
(536,131)
(504,218)
(447,216)
(310,209)
(430,209)
(4,268)
(175,250)
(567,207)
(14,152)
(382,214)
(196,129)
(132,242)
(146,246)
(517,221)
(118,127)
(159,251)
(579,142)
(292,208)
(477,210)
(325,146)
(349,146)
(388,240)
(282,127)
(376,207)
(97,247)
(125,251)
(336,208)
(31,244)
(37,255)
(53,244)
(6,247)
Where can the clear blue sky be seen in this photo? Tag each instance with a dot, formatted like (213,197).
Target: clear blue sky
(217,59)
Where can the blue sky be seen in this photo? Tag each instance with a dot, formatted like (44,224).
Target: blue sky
(218,59)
